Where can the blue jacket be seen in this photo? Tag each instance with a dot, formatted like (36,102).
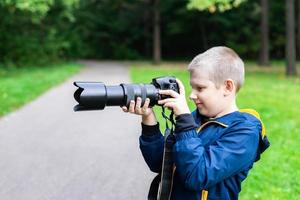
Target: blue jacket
(211,156)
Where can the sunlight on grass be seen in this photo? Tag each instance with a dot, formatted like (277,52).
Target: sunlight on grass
(277,99)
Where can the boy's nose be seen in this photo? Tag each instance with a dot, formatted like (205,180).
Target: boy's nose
(192,96)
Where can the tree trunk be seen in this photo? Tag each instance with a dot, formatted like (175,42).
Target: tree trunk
(290,50)
(156,33)
(298,22)
(147,28)
(264,34)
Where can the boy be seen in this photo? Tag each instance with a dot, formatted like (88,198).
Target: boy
(216,145)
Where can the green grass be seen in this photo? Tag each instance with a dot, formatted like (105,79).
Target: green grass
(21,85)
(277,99)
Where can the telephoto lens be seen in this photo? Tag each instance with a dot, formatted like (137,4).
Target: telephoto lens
(96,95)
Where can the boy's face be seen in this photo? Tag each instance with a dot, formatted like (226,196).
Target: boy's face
(208,99)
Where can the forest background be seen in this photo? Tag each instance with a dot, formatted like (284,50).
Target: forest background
(42,32)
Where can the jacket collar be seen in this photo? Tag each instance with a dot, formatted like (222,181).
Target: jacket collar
(225,119)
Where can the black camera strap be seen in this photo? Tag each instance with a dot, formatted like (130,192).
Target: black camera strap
(161,186)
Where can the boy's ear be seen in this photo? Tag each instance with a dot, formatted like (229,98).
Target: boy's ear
(229,87)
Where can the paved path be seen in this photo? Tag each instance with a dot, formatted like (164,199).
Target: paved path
(47,151)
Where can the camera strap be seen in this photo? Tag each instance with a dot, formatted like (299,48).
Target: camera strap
(161,186)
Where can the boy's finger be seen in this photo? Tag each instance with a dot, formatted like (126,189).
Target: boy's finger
(146,104)
(169,105)
(164,101)
(181,86)
(124,108)
(169,92)
(138,103)
(131,106)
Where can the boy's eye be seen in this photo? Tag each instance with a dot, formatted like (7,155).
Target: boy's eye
(200,88)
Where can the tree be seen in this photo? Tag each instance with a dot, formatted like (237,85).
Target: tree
(290,50)
(212,6)
(298,25)
(147,29)
(264,34)
(156,33)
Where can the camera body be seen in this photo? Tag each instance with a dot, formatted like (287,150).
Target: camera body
(165,83)
(96,95)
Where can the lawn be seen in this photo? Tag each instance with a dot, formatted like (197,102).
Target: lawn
(21,85)
(277,99)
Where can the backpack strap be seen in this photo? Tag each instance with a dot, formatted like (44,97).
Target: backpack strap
(255,114)
(263,142)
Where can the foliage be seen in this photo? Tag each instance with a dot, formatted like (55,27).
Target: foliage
(38,8)
(273,177)
(41,32)
(213,5)
(34,31)
(21,85)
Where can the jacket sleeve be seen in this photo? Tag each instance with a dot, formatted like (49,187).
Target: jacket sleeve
(199,167)
(152,146)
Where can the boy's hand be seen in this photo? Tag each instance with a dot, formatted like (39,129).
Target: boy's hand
(136,108)
(178,103)
(148,116)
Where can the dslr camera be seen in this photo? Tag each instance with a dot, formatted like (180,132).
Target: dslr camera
(96,95)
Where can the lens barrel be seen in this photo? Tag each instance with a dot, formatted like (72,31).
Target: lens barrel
(96,95)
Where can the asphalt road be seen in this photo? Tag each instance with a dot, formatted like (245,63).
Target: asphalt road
(47,151)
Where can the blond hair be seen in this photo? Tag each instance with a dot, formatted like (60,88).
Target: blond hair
(221,63)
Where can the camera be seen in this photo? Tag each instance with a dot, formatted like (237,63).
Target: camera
(96,95)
